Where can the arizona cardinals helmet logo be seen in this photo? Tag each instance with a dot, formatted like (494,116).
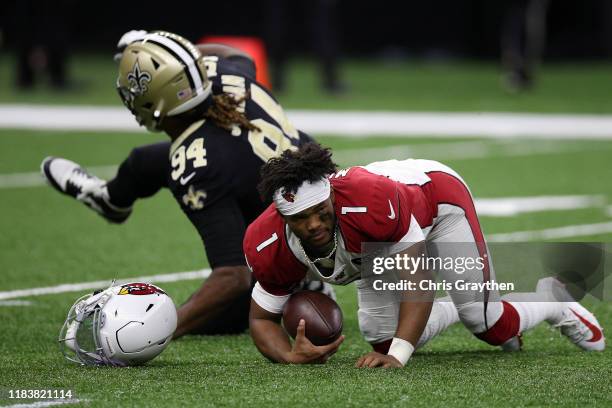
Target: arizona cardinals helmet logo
(139,289)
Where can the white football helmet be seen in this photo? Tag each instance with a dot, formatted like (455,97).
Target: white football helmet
(121,326)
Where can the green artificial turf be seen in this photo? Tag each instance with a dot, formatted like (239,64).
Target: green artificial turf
(48,239)
(372,85)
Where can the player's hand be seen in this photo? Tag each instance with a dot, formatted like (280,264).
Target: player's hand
(304,352)
(375,359)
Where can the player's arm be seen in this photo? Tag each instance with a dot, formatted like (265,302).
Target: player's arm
(224,285)
(272,341)
(396,223)
(415,308)
(223,51)
(222,228)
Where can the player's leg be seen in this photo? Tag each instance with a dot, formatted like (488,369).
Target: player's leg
(493,319)
(140,175)
(378,315)
(553,302)
(481,312)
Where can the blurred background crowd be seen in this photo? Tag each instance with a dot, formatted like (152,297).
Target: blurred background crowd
(518,33)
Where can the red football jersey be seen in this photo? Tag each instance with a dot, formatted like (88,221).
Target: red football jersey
(369,207)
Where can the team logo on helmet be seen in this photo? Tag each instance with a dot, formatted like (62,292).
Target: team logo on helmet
(139,289)
(289,197)
(138,80)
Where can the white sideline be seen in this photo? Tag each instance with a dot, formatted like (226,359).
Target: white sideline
(49,403)
(75,287)
(341,123)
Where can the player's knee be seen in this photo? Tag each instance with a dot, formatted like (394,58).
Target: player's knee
(377,324)
(505,328)
(472,315)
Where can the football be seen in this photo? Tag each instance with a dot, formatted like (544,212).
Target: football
(322,315)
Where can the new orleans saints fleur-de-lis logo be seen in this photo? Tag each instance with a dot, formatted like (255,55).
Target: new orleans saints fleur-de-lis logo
(194,199)
(138,80)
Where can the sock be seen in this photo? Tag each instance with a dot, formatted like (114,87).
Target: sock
(532,310)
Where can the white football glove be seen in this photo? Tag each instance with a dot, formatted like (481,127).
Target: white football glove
(126,39)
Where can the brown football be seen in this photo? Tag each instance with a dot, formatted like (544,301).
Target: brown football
(322,315)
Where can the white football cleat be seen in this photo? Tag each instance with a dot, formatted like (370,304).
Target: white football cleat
(576,323)
(69,178)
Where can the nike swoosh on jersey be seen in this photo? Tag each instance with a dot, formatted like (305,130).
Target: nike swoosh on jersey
(597,334)
(185,180)
(392,214)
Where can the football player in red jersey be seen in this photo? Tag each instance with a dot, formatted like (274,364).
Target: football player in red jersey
(316,226)
(222,126)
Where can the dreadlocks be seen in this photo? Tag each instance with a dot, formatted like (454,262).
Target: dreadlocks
(310,163)
(225,112)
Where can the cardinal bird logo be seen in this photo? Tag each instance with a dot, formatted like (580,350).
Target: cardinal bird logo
(289,197)
(137,288)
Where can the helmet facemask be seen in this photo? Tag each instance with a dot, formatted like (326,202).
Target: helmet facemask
(79,337)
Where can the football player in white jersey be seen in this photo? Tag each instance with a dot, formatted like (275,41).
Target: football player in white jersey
(316,226)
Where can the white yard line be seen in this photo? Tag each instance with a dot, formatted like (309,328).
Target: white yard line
(512,206)
(457,150)
(35,179)
(341,123)
(10,303)
(569,231)
(435,151)
(41,404)
(76,287)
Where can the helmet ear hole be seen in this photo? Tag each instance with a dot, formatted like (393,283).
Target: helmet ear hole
(149,307)
(155,64)
(147,105)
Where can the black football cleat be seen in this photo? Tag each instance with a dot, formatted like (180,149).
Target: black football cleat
(69,178)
